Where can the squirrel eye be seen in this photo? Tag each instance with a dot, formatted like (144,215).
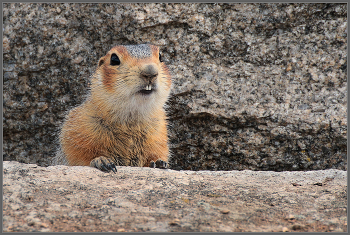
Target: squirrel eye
(115,60)
(160,58)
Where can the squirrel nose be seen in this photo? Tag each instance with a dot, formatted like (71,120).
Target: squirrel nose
(149,72)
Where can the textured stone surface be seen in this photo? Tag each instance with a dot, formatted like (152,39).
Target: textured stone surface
(256,86)
(67,199)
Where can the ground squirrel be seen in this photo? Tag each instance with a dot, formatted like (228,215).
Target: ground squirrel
(122,121)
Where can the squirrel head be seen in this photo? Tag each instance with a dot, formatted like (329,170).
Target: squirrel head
(133,78)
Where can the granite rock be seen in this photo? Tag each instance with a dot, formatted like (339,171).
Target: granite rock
(84,199)
(256,86)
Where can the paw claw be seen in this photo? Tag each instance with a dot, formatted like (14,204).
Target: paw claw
(114,169)
(104,164)
(161,164)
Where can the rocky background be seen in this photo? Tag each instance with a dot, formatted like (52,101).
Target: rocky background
(256,86)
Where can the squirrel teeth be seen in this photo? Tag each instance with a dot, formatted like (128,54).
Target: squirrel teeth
(147,90)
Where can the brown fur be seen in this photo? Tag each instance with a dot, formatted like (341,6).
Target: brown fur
(115,121)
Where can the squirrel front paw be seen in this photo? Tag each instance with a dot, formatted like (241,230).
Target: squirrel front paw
(104,164)
(158,164)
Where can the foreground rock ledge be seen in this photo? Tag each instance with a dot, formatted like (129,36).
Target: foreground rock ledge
(72,199)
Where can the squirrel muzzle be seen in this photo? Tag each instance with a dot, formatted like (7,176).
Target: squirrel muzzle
(149,73)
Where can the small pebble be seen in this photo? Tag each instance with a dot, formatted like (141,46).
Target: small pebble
(174,222)
(297,226)
(224,211)
(44,225)
(285,229)
(120,230)
(31,223)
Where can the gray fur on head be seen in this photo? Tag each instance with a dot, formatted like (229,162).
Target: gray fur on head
(139,51)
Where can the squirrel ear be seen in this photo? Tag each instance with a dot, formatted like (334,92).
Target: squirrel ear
(101,62)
